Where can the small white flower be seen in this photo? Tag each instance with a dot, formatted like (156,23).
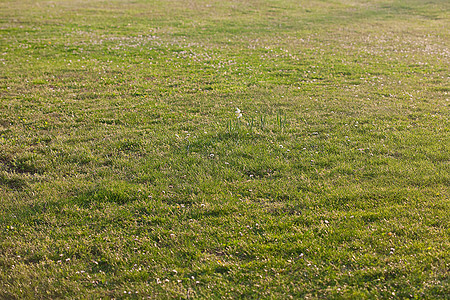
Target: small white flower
(238,113)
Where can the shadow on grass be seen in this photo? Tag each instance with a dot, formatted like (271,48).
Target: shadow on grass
(117,193)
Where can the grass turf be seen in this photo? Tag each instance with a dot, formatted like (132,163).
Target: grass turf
(125,172)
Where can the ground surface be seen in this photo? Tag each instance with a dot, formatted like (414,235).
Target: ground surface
(125,172)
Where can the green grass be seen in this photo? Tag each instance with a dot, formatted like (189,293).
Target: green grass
(125,173)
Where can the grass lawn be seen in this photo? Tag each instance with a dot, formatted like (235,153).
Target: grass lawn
(127,171)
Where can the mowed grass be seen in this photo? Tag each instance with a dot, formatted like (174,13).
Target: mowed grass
(125,172)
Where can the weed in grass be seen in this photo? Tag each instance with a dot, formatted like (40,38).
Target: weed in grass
(251,122)
(281,120)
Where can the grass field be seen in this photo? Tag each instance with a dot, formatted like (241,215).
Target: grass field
(125,171)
